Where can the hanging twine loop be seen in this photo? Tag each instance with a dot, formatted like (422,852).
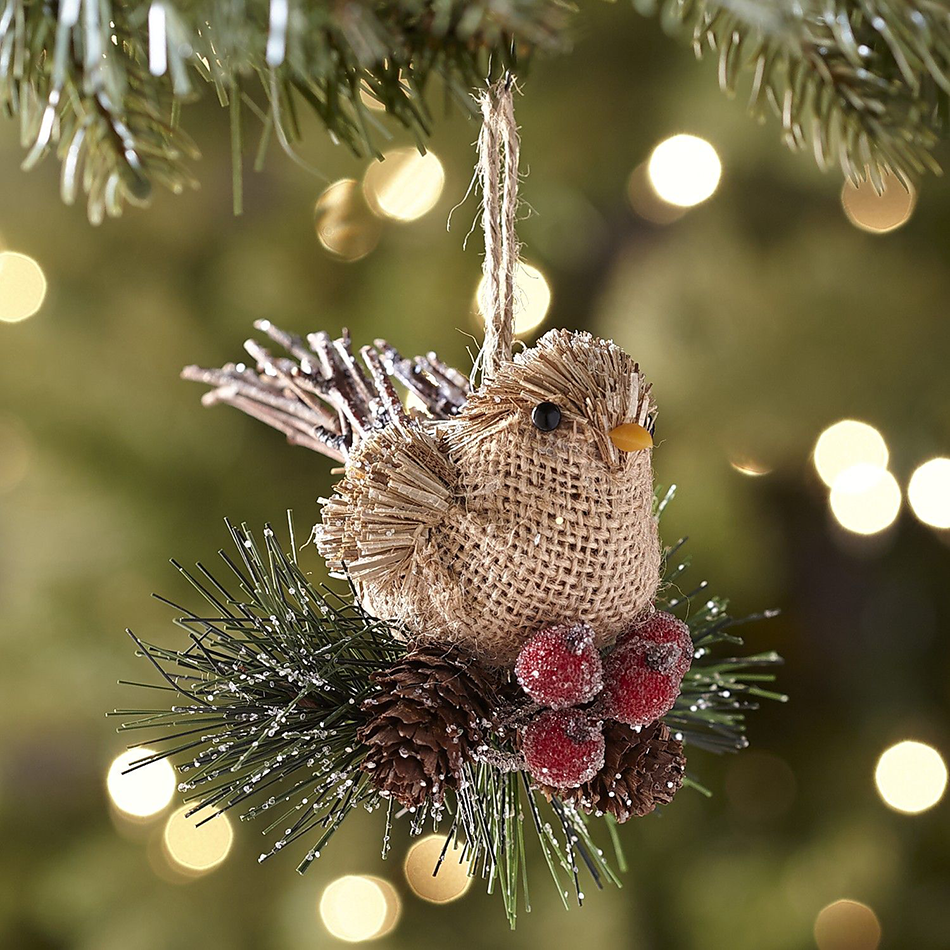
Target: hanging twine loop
(498,151)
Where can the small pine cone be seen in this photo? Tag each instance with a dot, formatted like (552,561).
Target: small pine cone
(433,709)
(641,770)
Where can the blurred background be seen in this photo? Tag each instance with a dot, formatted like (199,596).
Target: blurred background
(797,336)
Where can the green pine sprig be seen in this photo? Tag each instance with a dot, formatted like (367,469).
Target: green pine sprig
(863,84)
(265,698)
(263,712)
(101,82)
(719,690)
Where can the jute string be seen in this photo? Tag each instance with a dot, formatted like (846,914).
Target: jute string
(498,151)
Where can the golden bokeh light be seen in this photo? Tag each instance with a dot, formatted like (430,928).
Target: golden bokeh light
(845,444)
(450,883)
(344,224)
(865,499)
(646,202)
(532,298)
(847,925)
(405,185)
(144,792)
(929,492)
(911,777)
(22,286)
(358,907)
(878,213)
(684,170)
(193,848)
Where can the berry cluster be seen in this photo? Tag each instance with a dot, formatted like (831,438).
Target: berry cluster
(635,683)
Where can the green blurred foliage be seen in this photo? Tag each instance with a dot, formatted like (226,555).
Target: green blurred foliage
(761,316)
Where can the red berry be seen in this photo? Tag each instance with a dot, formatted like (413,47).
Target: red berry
(560,666)
(564,748)
(642,676)
(663,628)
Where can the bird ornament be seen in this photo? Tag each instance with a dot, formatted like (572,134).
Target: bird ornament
(507,528)
(488,513)
(508,655)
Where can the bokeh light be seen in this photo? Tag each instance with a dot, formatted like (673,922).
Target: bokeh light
(22,286)
(847,925)
(358,907)
(684,170)
(878,213)
(344,224)
(845,444)
(865,499)
(193,848)
(405,185)
(911,777)
(929,492)
(646,202)
(144,792)
(532,298)
(450,883)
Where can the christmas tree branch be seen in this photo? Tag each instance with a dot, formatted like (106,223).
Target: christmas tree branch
(98,81)
(862,83)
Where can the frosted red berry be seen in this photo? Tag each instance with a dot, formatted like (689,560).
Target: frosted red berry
(560,667)
(643,675)
(563,748)
(662,628)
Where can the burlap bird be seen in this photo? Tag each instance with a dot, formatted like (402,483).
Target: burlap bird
(492,511)
(489,512)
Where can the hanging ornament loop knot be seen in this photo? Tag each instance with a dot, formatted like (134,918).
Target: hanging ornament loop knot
(498,152)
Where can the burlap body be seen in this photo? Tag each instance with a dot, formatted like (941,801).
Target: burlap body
(481,530)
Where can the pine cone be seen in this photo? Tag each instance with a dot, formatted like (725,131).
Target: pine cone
(433,709)
(641,770)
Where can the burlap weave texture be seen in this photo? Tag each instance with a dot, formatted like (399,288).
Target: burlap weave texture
(480,530)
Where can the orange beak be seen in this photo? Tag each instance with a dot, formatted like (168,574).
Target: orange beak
(631,437)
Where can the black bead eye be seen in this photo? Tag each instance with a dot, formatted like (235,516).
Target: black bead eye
(546,416)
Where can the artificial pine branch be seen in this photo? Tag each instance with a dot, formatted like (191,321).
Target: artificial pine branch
(718,691)
(862,83)
(99,81)
(266,706)
(269,691)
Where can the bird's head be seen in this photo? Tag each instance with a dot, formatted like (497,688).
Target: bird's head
(571,398)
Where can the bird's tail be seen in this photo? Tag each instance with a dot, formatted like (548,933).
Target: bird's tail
(321,396)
